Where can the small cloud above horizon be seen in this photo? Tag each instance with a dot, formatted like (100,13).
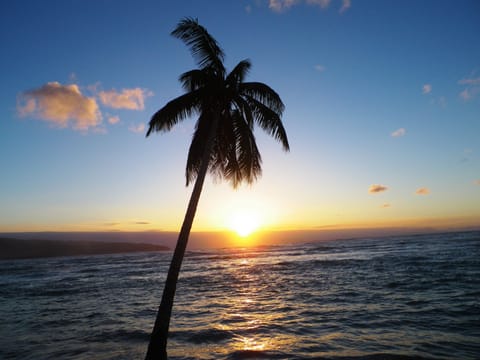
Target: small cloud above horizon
(113,120)
(385,206)
(398,133)
(426,89)
(60,105)
(113,223)
(465,95)
(65,106)
(472,88)
(422,191)
(471,81)
(346,4)
(377,188)
(320,68)
(139,128)
(140,222)
(283,5)
(130,99)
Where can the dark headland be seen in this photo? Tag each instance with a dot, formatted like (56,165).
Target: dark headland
(27,249)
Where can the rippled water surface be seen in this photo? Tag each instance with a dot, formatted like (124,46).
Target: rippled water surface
(414,297)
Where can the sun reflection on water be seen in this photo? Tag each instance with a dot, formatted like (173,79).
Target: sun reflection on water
(246,343)
(251,315)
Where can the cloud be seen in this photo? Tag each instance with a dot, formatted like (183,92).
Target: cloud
(377,188)
(248,9)
(426,89)
(422,191)
(477,182)
(386,205)
(470,81)
(131,99)
(322,3)
(283,5)
(319,68)
(472,88)
(61,105)
(469,93)
(140,128)
(465,95)
(346,4)
(113,120)
(140,222)
(280,5)
(399,132)
(111,223)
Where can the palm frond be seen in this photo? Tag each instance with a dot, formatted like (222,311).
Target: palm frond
(197,147)
(174,111)
(264,94)
(239,73)
(269,121)
(204,48)
(244,108)
(248,156)
(193,79)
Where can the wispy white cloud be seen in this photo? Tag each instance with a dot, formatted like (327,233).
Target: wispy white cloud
(377,188)
(320,68)
(131,99)
(139,128)
(283,5)
(61,105)
(472,88)
(346,4)
(426,89)
(113,120)
(322,3)
(466,94)
(248,9)
(399,132)
(422,191)
(471,81)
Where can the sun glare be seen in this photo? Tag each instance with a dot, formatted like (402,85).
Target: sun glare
(244,223)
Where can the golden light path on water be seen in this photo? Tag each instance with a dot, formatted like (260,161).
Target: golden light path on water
(248,313)
(255,310)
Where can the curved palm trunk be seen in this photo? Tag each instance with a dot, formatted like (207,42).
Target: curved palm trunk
(157,347)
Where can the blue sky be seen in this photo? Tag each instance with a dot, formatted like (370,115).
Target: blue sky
(382,112)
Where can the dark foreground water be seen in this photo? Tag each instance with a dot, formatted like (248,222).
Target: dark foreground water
(412,297)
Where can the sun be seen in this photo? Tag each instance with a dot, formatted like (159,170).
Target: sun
(244,222)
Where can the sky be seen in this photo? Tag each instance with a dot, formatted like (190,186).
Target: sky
(382,113)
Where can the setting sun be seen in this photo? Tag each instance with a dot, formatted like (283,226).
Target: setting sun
(244,223)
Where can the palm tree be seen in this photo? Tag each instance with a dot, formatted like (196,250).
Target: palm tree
(223,142)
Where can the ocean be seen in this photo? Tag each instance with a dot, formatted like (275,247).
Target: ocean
(402,297)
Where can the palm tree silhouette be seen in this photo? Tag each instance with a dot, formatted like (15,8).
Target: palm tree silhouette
(223,141)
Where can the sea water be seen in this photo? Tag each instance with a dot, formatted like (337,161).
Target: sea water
(406,297)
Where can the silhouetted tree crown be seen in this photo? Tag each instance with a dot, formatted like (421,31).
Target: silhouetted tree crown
(236,105)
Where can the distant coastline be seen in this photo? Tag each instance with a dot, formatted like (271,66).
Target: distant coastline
(11,249)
